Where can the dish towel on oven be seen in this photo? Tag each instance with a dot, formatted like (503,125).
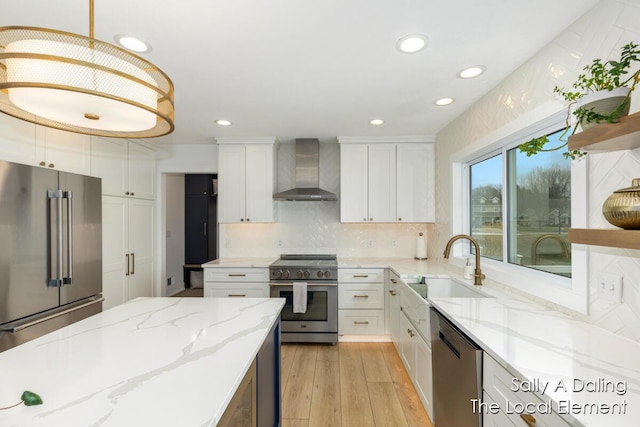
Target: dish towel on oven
(299,297)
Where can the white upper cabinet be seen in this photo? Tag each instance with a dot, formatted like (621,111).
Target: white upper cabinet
(127,168)
(246,180)
(415,172)
(354,183)
(26,143)
(386,181)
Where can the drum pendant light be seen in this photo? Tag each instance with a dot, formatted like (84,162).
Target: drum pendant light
(78,84)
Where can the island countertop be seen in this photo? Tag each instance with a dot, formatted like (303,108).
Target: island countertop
(152,361)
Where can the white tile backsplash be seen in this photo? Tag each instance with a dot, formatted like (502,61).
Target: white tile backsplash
(598,33)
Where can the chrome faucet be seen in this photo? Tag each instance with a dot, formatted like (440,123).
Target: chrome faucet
(477,276)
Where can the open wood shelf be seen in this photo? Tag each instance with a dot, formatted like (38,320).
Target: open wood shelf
(615,237)
(623,135)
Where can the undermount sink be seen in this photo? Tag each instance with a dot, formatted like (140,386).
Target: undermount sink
(443,287)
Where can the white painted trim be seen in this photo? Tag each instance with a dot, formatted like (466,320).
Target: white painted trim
(247,140)
(569,293)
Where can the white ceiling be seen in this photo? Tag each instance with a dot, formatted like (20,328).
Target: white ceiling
(316,68)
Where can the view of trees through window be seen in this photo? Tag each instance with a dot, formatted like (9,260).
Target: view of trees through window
(538,209)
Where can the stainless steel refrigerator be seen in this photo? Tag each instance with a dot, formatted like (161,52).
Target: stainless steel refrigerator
(50,251)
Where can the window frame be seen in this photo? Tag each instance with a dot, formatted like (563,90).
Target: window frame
(571,292)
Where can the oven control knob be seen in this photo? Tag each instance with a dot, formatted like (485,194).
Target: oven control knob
(299,274)
(327,274)
(279,274)
(319,274)
(306,274)
(285,274)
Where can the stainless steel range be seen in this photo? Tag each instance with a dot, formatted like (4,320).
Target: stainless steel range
(319,274)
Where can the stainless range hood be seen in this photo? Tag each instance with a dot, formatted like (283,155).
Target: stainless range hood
(307,175)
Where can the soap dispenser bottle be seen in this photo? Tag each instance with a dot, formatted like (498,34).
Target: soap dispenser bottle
(467,272)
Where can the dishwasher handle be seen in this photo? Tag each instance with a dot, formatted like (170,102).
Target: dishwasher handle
(449,344)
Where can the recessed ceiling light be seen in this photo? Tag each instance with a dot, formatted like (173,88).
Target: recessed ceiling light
(223,122)
(471,72)
(412,44)
(132,43)
(444,101)
(376,122)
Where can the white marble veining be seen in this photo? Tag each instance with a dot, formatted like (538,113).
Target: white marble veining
(544,346)
(152,361)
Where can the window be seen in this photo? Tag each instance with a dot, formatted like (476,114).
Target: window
(530,215)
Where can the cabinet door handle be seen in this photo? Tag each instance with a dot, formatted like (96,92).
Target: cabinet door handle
(529,419)
(204,231)
(236,275)
(241,219)
(394,281)
(133,263)
(361,296)
(355,322)
(363,276)
(51,165)
(248,219)
(399,219)
(128,265)
(127,193)
(133,194)
(394,293)
(236,295)
(370,219)
(42,164)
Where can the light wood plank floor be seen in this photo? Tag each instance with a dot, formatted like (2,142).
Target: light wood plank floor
(347,385)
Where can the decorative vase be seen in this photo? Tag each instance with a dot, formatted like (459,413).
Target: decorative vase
(605,102)
(622,208)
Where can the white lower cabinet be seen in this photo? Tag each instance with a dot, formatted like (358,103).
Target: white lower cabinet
(361,301)
(224,282)
(497,384)
(406,315)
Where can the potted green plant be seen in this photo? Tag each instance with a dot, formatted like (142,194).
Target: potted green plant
(601,94)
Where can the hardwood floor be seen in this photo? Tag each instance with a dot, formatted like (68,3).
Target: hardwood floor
(347,385)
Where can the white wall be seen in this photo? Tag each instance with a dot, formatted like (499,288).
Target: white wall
(172,160)
(527,96)
(174,233)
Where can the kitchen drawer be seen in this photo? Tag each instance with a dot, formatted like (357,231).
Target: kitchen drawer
(250,290)
(490,419)
(361,295)
(361,322)
(231,275)
(497,383)
(359,275)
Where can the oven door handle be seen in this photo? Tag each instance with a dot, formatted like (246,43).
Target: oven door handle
(309,284)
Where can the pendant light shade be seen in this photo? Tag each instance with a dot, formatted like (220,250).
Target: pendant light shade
(78,84)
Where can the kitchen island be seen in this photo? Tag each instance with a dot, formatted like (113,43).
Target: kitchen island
(152,361)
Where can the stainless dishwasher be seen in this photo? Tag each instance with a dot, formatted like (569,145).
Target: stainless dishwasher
(457,375)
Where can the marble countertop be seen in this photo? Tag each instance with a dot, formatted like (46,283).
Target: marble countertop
(152,361)
(544,346)
(240,262)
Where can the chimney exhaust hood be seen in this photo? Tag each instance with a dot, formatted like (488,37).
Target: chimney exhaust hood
(307,175)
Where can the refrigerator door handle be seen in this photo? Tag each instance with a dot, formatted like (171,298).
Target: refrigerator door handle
(55,280)
(69,279)
(17,328)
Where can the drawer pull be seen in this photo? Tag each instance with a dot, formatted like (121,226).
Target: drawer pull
(529,419)
(394,293)
(237,275)
(364,276)
(361,296)
(236,295)
(355,322)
